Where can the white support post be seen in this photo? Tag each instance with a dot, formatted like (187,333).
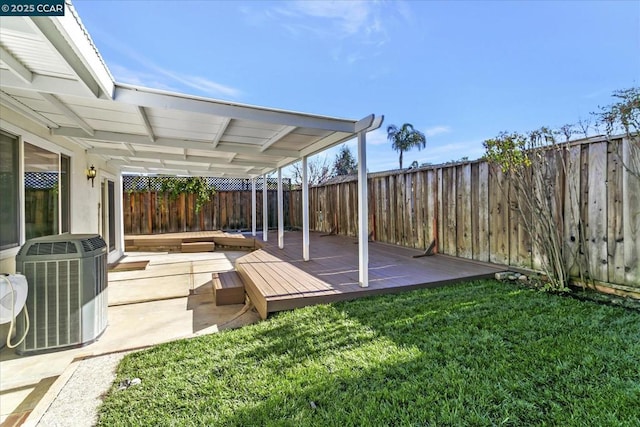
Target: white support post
(254,218)
(280,211)
(265,212)
(305,210)
(363,212)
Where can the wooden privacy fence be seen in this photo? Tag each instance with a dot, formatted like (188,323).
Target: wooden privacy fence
(153,212)
(468,210)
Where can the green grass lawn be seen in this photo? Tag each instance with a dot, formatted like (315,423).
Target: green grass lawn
(479,353)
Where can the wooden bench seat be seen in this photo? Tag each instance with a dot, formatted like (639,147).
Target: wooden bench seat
(235,242)
(228,288)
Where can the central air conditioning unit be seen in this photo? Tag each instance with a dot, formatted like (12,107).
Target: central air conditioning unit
(67,298)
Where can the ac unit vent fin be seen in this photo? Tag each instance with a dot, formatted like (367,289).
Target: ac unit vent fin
(93,243)
(52,248)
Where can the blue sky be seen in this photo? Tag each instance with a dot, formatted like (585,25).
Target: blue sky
(460,72)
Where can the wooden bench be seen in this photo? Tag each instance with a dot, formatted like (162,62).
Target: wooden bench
(197,247)
(235,242)
(228,288)
(273,284)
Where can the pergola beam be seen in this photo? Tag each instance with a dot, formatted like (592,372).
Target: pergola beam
(55,39)
(25,110)
(130,148)
(223,127)
(284,131)
(191,167)
(15,66)
(158,99)
(42,83)
(225,147)
(147,124)
(176,172)
(213,161)
(64,109)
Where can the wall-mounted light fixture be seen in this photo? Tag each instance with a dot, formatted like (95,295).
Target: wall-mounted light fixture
(91,174)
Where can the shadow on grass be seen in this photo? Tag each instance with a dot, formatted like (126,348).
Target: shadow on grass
(489,354)
(481,353)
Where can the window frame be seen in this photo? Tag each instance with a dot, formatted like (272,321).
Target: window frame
(19,183)
(23,136)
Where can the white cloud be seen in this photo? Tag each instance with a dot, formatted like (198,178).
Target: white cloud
(358,21)
(436,130)
(202,84)
(378,137)
(349,17)
(153,75)
(453,151)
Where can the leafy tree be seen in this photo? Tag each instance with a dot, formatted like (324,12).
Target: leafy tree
(405,138)
(345,163)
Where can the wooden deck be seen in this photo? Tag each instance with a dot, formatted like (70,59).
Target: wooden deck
(172,242)
(278,279)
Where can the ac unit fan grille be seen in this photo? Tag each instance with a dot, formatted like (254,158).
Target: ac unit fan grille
(51,248)
(93,243)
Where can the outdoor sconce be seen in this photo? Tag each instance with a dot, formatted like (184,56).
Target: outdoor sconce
(91,174)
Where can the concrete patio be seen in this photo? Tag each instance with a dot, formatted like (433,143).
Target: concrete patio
(171,299)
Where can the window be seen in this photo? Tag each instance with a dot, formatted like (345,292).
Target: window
(41,191)
(9,185)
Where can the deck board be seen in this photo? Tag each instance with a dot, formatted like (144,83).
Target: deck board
(279,279)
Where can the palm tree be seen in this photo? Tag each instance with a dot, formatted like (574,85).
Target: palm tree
(405,138)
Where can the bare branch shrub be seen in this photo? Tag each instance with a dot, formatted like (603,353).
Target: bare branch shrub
(532,164)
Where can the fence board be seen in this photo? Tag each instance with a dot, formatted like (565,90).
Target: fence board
(584,210)
(615,225)
(440,209)
(384,191)
(464,245)
(419,200)
(572,232)
(597,211)
(410,215)
(450,201)
(481,251)
(631,214)
(498,217)
(400,212)
(432,208)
